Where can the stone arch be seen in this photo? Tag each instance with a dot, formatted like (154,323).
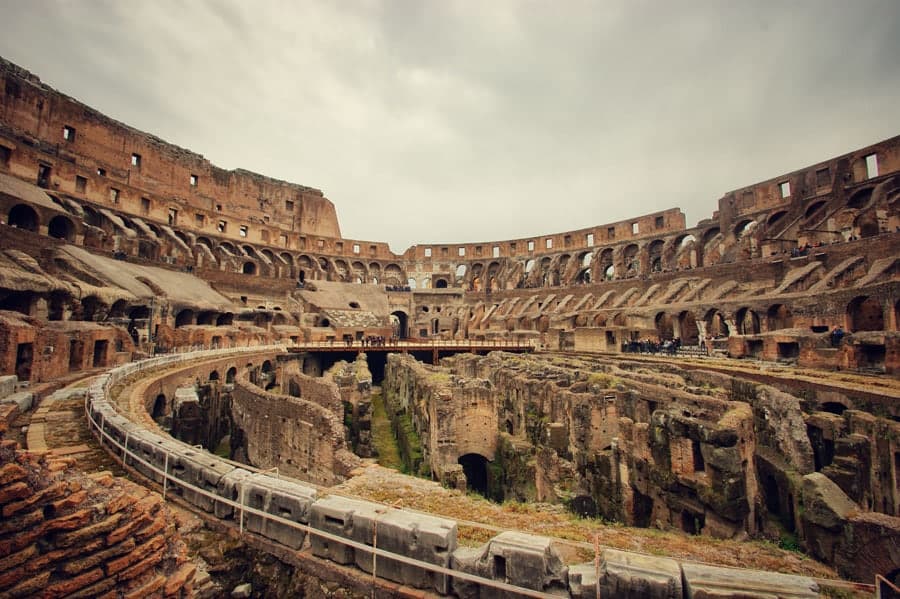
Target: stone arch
(865,314)
(778,316)
(61,227)
(92,217)
(655,255)
(205,241)
(715,324)
(93,309)
(213,376)
(23,216)
(630,259)
(440,283)
(599,320)
(400,324)
(249,268)
(117,310)
(184,318)
(665,328)
(160,408)
(687,325)
(866,224)
(813,208)
(775,217)
(742,227)
(230,375)
(860,199)
(747,322)
(207,317)
(288,260)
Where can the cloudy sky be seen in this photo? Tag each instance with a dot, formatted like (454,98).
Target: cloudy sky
(444,121)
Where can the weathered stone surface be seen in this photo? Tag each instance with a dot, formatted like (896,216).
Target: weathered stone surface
(825,504)
(635,576)
(710,582)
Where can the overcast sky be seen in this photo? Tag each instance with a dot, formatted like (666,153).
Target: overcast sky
(430,121)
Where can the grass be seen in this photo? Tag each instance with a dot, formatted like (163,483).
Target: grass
(382,436)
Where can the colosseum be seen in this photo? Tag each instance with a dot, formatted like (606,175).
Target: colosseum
(200,377)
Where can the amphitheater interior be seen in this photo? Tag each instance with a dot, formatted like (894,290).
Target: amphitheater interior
(195,358)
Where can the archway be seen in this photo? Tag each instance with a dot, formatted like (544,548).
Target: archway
(185,317)
(747,322)
(690,334)
(401,324)
(779,317)
(159,408)
(23,217)
(249,268)
(865,314)
(664,326)
(61,227)
(715,324)
(440,283)
(230,374)
(475,468)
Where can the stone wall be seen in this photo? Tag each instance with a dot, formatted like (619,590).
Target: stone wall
(302,437)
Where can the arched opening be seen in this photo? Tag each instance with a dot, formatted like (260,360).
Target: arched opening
(92,309)
(184,318)
(865,314)
(207,317)
(249,268)
(813,208)
(584,506)
(225,320)
(833,407)
(440,283)
(23,216)
(867,225)
(715,324)
(747,322)
(61,227)
(230,374)
(117,310)
(475,468)
(411,282)
(774,218)
(690,334)
(631,261)
(159,408)
(400,320)
(664,326)
(859,200)
(779,317)
(214,375)
(18,301)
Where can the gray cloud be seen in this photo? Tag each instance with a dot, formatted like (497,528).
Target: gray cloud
(450,121)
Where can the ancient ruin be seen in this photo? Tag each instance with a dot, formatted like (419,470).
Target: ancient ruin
(219,342)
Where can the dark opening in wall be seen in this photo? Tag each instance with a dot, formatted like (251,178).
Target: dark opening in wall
(642,506)
(75,354)
(755,348)
(871,356)
(584,506)
(692,523)
(5,155)
(100,348)
(24,357)
(788,350)
(475,468)
(697,455)
(499,567)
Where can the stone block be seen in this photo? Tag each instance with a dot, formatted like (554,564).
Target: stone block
(24,400)
(202,470)
(635,576)
(711,582)
(825,504)
(583,581)
(7,385)
(347,518)
(419,536)
(287,499)
(515,558)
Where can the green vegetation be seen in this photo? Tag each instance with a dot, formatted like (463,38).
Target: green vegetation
(383,436)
